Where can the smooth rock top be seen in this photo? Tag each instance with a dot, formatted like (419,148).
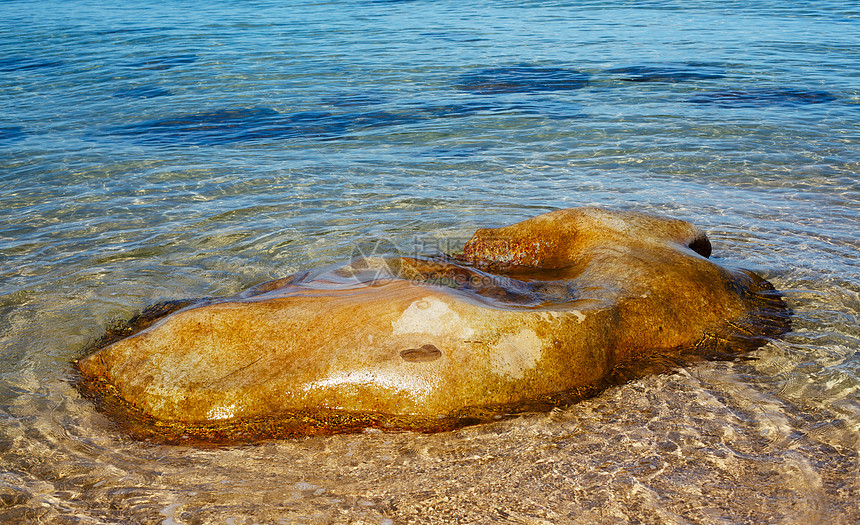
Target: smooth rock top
(529,316)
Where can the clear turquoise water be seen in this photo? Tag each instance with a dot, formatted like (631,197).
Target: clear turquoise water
(156,150)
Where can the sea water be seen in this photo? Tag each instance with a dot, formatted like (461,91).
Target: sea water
(163,150)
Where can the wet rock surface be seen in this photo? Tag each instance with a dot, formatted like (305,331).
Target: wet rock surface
(539,314)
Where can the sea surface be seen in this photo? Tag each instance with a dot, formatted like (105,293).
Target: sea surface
(163,150)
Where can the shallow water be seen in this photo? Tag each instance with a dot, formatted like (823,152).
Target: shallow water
(152,152)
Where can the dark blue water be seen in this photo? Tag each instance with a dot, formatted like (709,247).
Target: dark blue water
(154,150)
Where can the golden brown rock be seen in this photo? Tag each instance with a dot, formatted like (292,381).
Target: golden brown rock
(540,313)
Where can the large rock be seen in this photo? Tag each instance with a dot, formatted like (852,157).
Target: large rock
(529,316)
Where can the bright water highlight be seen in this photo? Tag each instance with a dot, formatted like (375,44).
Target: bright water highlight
(153,151)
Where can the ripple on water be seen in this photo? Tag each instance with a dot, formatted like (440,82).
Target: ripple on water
(142,92)
(254,124)
(163,62)
(521,79)
(763,97)
(235,124)
(11,133)
(671,73)
(11,64)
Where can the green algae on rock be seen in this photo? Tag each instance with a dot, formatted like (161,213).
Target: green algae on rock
(539,314)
